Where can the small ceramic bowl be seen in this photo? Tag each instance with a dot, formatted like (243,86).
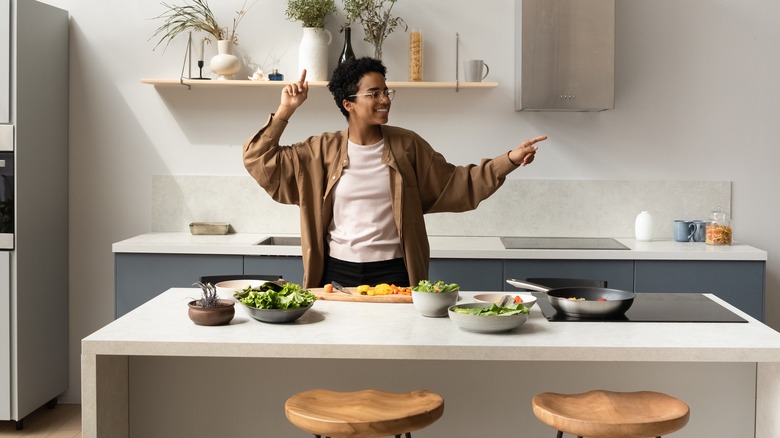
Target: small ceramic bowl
(434,304)
(528,299)
(484,323)
(226,289)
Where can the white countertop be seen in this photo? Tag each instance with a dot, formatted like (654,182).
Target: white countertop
(471,247)
(346,330)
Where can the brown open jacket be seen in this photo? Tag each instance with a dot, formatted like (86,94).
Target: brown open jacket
(421,181)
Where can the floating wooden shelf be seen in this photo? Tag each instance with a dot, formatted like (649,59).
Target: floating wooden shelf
(313,84)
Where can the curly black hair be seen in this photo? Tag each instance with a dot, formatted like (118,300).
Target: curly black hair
(345,78)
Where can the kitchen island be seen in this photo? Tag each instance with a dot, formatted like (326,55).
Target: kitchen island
(153,373)
(151,263)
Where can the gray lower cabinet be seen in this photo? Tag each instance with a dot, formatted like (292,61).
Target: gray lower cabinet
(619,274)
(470,274)
(740,283)
(289,267)
(140,277)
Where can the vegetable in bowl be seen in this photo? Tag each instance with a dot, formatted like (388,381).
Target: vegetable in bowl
(271,295)
(439,286)
(493,310)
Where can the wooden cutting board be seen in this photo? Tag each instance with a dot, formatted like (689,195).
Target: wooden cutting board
(356,297)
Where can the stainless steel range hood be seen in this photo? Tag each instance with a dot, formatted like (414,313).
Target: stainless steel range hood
(565,55)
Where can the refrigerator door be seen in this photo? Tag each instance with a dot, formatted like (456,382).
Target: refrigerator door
(5,61)
(5,336)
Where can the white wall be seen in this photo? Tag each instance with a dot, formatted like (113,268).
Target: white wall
(696,99)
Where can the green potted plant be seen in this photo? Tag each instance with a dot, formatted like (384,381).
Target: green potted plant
(311,13)
(376,18)
(313,50)
(209,309)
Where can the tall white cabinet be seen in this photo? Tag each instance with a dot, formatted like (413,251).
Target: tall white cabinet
(34,266)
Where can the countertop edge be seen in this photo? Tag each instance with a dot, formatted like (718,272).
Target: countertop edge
(465,247)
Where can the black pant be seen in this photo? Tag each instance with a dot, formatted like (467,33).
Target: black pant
(371,273)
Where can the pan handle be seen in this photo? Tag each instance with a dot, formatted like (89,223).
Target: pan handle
(526,285)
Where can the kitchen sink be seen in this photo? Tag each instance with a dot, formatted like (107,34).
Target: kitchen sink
(281,241)
(584,243)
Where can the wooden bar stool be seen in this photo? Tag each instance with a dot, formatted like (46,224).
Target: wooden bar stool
(363,414)
(607,414)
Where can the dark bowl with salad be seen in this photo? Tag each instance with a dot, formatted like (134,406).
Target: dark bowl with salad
(275,302)
(488,318)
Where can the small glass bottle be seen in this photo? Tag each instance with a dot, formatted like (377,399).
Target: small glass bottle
(346,52)
(718,229)
(415,55)
(276,76)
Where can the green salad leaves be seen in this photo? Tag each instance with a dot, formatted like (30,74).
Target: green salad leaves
(439,286)
(493,310)
(272,295)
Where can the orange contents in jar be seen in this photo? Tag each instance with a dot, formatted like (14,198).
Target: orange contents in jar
(718,234)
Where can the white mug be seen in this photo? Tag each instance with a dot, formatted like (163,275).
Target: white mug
(473,70)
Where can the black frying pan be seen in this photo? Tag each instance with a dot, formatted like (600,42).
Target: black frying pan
(598,302)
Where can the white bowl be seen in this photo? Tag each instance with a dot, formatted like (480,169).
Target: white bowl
(226,289)
(528,299)
(434,304)
(484,323)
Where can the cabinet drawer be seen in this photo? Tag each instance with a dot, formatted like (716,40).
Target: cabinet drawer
(619,274)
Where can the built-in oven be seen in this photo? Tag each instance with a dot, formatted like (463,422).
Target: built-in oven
(6,247)
(6,187)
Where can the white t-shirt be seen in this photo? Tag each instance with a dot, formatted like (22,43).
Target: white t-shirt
(363,228)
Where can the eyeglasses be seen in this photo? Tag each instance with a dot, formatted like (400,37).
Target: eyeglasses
(378,94)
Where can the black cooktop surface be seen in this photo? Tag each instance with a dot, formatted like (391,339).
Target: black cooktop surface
(585,243)
(656,307)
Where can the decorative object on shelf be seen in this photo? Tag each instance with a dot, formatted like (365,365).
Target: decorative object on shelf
(415,55)
(313,53)
(376,20)
(210,309)
(225,64)
(197,15)
(276,76)
(201,52)
(311,13)
(258,75)
(346,51)
(313,50)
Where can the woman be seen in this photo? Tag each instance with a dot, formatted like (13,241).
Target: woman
(363,191)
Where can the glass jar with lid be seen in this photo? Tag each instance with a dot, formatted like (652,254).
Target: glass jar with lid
(718,228)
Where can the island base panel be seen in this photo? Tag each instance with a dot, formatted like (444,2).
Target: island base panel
(180,396)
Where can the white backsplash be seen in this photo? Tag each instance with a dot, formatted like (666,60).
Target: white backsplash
(520,208)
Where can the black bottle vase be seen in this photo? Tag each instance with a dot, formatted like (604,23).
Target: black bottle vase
(346,51)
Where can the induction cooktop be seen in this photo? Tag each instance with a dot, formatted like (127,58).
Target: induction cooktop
(584,243)
(656,307)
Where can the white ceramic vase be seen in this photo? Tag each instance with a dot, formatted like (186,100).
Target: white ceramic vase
(225,64)
(643,226)
(313,53)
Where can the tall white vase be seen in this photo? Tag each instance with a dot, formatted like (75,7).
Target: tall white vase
(313,53)
(225,64)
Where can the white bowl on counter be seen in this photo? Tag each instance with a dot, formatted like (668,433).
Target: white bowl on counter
(434,304)
(226,289)
(485,323)
(528,299)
